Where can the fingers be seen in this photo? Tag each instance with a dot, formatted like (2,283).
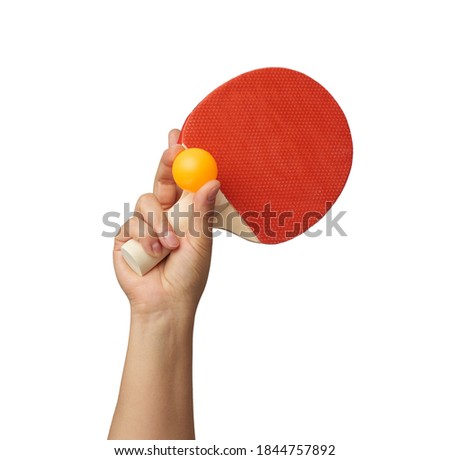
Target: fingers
(174,135)
(205,197)
(137,229)
(204,200)
(149,227)
(165,188)
(151,212)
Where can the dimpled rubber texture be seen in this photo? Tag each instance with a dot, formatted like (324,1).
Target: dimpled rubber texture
(282,145)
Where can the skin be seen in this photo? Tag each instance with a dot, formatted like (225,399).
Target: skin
(155,397)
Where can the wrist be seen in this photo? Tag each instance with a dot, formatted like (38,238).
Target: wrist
(164,336)
(180,318)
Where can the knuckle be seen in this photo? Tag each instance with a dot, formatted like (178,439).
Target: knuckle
(145,200)
(148,208)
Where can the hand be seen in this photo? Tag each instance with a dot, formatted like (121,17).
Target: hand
(176,284)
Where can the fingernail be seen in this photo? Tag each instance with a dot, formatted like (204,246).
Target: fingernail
(171,239)
(156,248)
(213,193)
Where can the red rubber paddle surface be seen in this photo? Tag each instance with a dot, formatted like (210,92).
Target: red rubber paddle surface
(282,145)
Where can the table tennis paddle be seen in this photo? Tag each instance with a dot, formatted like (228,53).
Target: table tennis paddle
(283,150)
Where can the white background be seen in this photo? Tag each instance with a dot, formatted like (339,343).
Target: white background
(321,340)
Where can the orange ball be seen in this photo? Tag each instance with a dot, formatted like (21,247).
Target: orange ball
(194,167)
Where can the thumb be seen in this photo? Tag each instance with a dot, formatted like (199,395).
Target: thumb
(204,200)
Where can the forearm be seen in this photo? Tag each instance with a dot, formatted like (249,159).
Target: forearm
(155,399)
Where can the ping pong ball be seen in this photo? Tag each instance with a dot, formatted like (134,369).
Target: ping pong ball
(194,167)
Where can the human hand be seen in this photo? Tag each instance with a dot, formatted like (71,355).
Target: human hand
(176,284)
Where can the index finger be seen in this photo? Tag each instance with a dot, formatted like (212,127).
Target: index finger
(165,189)
(174,135)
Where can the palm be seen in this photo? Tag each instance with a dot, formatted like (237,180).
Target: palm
(183,272)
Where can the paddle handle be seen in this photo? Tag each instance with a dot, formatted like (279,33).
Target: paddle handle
(138,260)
